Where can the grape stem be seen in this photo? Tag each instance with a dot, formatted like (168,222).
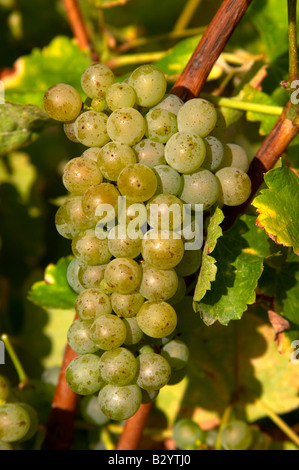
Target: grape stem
(224,420)
(292,33)
(244,105)
(186,15)
(23,378)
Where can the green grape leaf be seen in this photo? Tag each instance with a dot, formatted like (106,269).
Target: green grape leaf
(267,121)
(54,292)
(208,268)
(20,125)
(278,207)
(60,62)
(239,256)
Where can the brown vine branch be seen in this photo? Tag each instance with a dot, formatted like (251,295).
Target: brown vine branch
(133,429)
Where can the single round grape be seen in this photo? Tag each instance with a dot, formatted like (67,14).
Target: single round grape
(89,249)
(14,422)
(120,95)
(214,153)
(92,153)
(79,174)
(190,263)
(157,319)
(83,374)
(99,201)
(70,218)
(185,152)
(98,104)
(92,303)
(78,337)
(158,284)
(236,435)
(162,249)
(150,153)
(4,388)
(72,276)
(69,130)
(177,354)
(220,127)
(108,332)
(121,245)
(113,158)
(91,276)
(96,79)
(180,292)
(62,102)
(120,403)
(201,187)
(137,182)
(187,434)
(169,180)
(123,275)
(236,157)
(126,125)
(134,333)
(34,421)
(91,129)
(197,115)
(91,412)
(235,186)
(118,366)
(171,103)
(126,305)
(153,371)
(63,224)
(166,212)
(160,125)
(149,84)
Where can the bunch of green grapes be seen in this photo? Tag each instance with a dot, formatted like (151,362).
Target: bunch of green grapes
(148,156)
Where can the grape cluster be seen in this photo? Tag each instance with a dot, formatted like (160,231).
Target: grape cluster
(147,152)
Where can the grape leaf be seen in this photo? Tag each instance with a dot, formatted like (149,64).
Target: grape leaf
(20,125)
(255,96)
(208,268)
(239,256)
(278,207)
(54,292)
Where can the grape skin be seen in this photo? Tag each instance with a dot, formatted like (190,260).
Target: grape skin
(118,366)
(96,79)
(201,187)
(91,129)
(157,319)
(150,153)
(123,275)
(89,249)
(158,284)
(149,84)
(235,186)
(126,305)
(108,332)
(62,102)
(79,174)
(126,125)
(114,157)
(119,403)
(91,303)
(14,422)
(160,125)
(185,152)
(236,435)
(83,374)
(197,115)
(78,337)
(153,371)
(162,249)
(138,182)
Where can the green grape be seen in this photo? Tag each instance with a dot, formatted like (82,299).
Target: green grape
(89,249)
(72,276)
(197,115)
(149,396)
(120,403)
(150,153)
(185,152)
(113,158)
(157,319)
(235,186)
(149,84)
(120,95)
(96,79)
(98,104)
(91,129)
(92,153)
(122,245)
(4,388)
(100,201)
(70,218)
(236,157)
(201,187)
(126,305)
(160,125)
(171,103)
(83,374)
(134,333)
(108,332)
(166,212)
(169,180)
(92,303)
(91,276)
(79,174)
(162,249)
(69,130)
(123,275)
(187,434)
(14,422)
(190,263)
(180,292)
(62,102)
(211,438)
(153,371)
(220,127)
(214,153)
(126,125)
(236,435)
(177,354)
(78,337)
(118,366)
(34,421)
(135,216)
(63,224)
(137,182)
(91,412)
(158,284)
